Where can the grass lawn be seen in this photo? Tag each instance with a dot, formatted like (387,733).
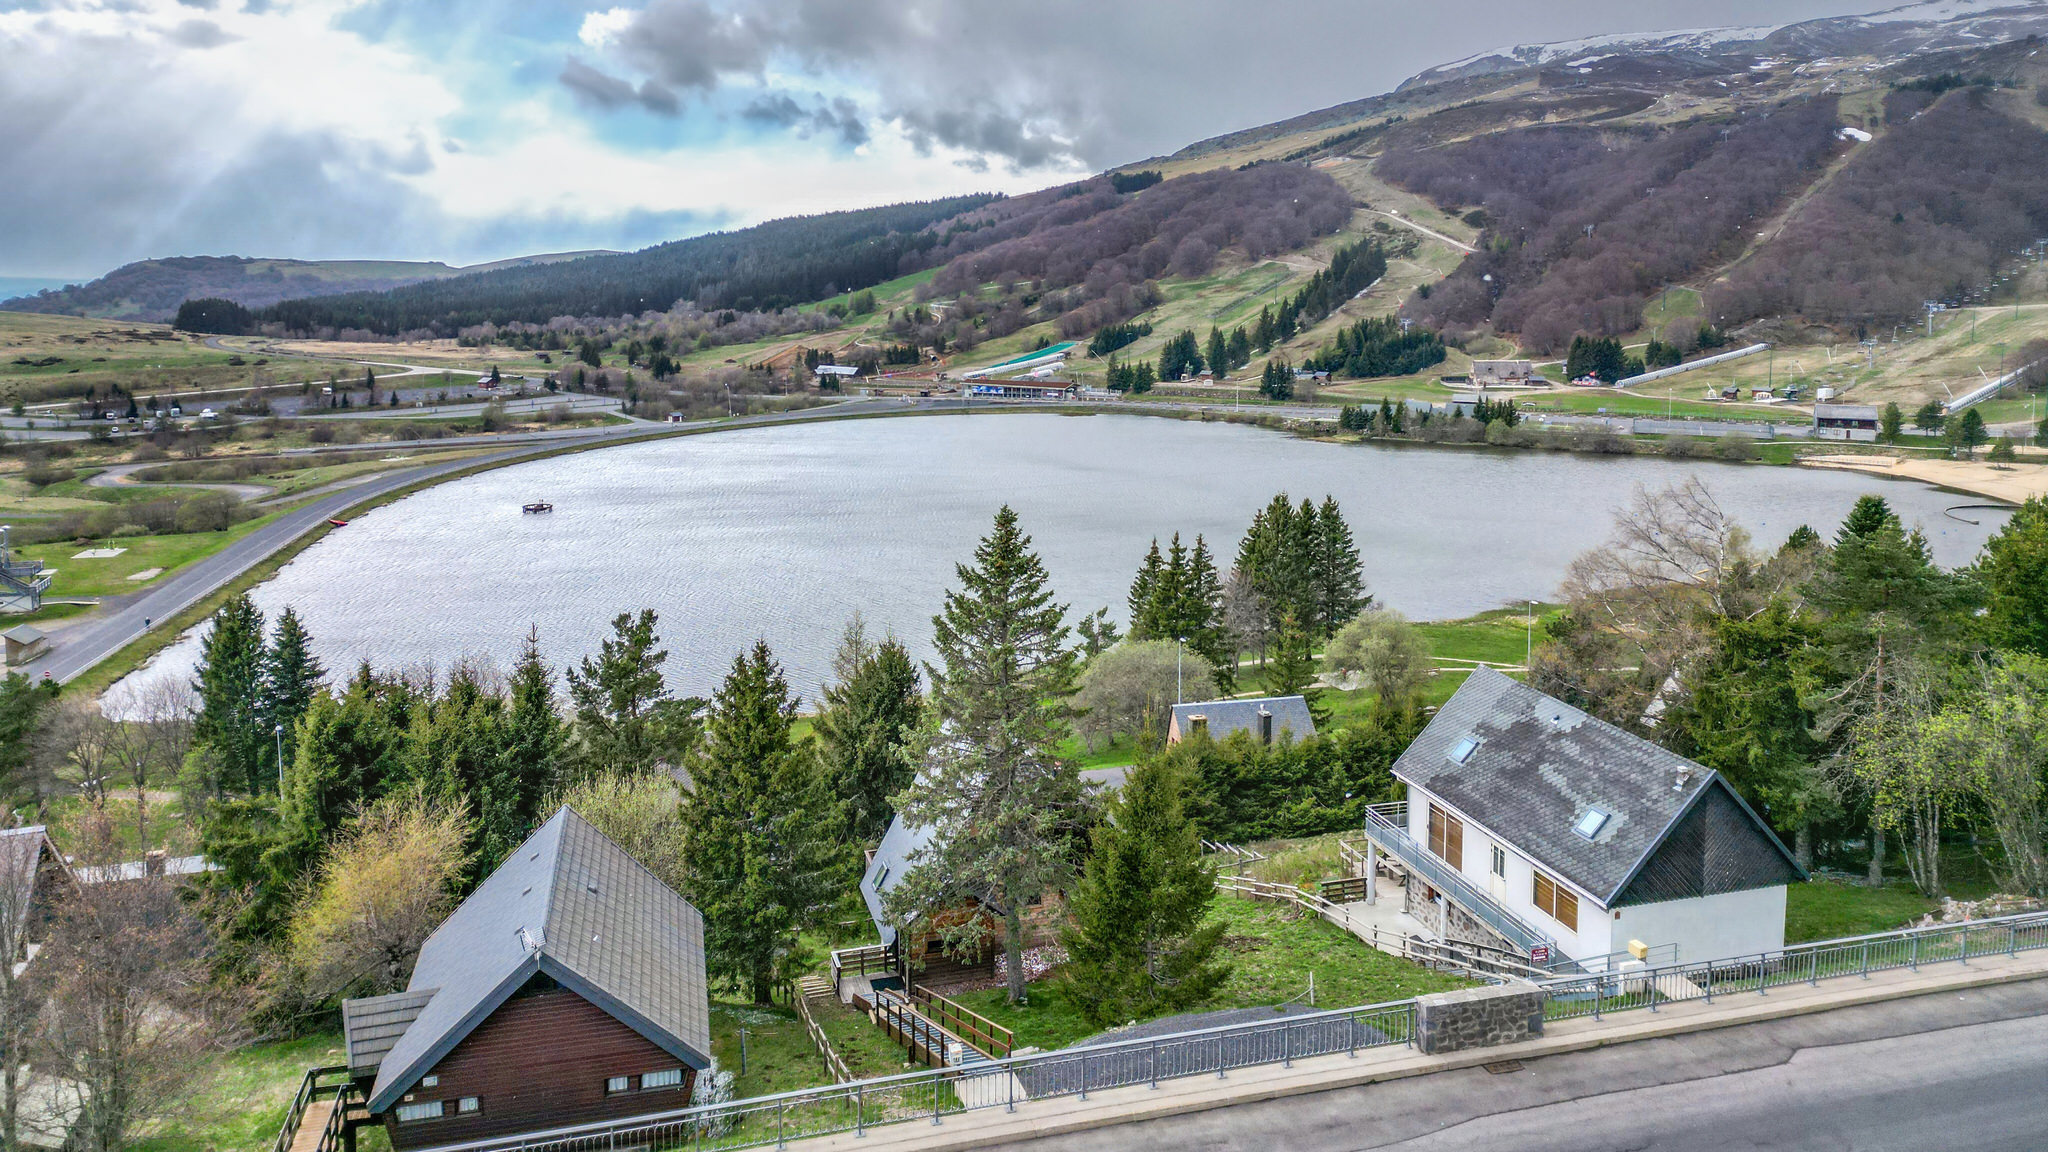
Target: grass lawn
(1271,951)
(241,1106)
(109,577)
(1826,909)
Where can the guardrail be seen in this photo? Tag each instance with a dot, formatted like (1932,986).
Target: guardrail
(985,1035)
(1652,985)
(1393,838)
(310,1090)
(934,1094)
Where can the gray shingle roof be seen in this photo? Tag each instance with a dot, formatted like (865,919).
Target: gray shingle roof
(1290,714)
(1674,828)
(370,1026)
(890,864)
(571,904)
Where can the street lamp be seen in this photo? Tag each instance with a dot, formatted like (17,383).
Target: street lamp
(278,731)
(1178,693)
(1529,638)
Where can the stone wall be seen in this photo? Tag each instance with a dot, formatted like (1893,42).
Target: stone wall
(1478,1017)
(1464,926)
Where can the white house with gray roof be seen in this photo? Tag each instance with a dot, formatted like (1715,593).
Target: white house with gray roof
(1267,718)
(1532,825)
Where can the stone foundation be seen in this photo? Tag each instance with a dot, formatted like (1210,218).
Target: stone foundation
(1478,1017)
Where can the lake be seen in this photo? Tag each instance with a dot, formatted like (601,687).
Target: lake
(784,533)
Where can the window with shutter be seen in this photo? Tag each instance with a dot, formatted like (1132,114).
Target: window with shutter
(1557,902)
(1447,837)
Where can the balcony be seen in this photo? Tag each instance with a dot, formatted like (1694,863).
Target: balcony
(1386,825)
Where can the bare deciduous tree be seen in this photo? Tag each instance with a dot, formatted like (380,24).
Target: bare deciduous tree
(1129,688)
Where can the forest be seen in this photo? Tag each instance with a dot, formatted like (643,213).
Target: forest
(1928,211)
(769,266)
(1586,223)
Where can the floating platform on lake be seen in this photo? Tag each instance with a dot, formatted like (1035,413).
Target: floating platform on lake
(537,506)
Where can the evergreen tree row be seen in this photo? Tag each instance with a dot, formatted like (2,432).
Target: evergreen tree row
(1377,346)
(1114,336)
(1179,596)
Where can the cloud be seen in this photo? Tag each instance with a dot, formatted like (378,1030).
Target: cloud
(839,117)
(199,34)
(605,91)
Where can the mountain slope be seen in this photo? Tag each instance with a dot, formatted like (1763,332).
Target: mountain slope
(153,289)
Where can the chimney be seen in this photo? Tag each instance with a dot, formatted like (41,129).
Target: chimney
(1265,725)
(153,862)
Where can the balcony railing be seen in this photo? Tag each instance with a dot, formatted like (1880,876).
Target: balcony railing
(1387,826)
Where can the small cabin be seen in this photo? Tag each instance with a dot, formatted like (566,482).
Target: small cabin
(1267,719)
(25,643)
(569,988)
(1845,421)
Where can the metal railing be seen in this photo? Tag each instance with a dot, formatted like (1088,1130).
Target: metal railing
(935,1094)
(1650,986)
(311,1089)
(1385,825)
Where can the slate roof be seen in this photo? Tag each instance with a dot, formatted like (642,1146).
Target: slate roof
(370,1026)
(890,864)
(1674,829)
(572,905)
(24,853)
(1290,714)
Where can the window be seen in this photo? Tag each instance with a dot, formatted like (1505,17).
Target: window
(666,1078)
(1591,823)
(1446,837)
(430,1081)
(1500,862)
(431,1110)
(618,1084)
(1463,750)
(1557,903)
(469,1104)
(1198,725)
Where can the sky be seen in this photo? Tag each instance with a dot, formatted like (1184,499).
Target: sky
(473,130)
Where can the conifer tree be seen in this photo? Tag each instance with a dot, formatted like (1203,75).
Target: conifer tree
(1001,800)
(534,740)
(1136,942)
(1218,353)
(1143,589)
(1339,583)
(230,687)
(625,720)
(869,713)
(291,677)
(763,839)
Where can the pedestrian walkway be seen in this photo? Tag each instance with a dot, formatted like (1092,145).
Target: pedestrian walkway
(1066,1114)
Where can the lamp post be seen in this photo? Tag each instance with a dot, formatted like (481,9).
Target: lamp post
(1529,639)
(278,732)
(1178,692)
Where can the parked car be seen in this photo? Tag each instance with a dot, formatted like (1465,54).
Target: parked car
(208,414)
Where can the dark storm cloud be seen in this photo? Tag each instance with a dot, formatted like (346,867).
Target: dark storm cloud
(1056,82)
(606,91)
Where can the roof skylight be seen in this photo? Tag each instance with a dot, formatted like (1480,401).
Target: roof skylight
(1590,824)
(1463,749)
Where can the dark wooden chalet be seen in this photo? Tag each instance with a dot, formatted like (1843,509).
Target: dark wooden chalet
(568,988)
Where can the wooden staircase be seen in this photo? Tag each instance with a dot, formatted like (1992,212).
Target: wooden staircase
(324,1115)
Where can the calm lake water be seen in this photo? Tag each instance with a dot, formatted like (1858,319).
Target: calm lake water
(784,533)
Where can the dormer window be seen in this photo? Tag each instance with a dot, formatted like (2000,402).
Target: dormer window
(1590,824)
(1463,750)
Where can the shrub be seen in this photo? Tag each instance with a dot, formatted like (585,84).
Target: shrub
(1735,447)
(208,512)
(43,475)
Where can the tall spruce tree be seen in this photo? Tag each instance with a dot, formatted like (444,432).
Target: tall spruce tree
(230,687)
(1000,799)
(1136,942)
(1217,352)
(625,720)
(1144,589)
(763,838)
(1335,572)
(2014,573)
(291,677)
(868,714)
(530,770)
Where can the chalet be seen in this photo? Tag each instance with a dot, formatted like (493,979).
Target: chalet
(1267,719)
(1503,373)
(914,947)
(33,877)
(568,988)
(1845,421)
(1534,826)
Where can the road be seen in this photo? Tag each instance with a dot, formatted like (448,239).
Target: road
(1956,1070)
(1432,233)
(79,644)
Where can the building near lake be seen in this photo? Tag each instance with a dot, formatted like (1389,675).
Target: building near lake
(1022,390)
(1845,421)
(1534,827)
(1504,373)
(1268,718)
(568,988)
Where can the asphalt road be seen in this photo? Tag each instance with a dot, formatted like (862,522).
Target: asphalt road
(1951,1071)
(79,644)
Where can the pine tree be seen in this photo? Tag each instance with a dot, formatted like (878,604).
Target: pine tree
(1218,353)
(2014,572)
(1293,667)
(619,697)
(534,743)
(1339,583)
(1239,348)
(764,840)
(230,687)
(291,677)
(1263,333)
(1000,799)
(1136,943)
(1144,587)
(1203,616)
(869,713)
